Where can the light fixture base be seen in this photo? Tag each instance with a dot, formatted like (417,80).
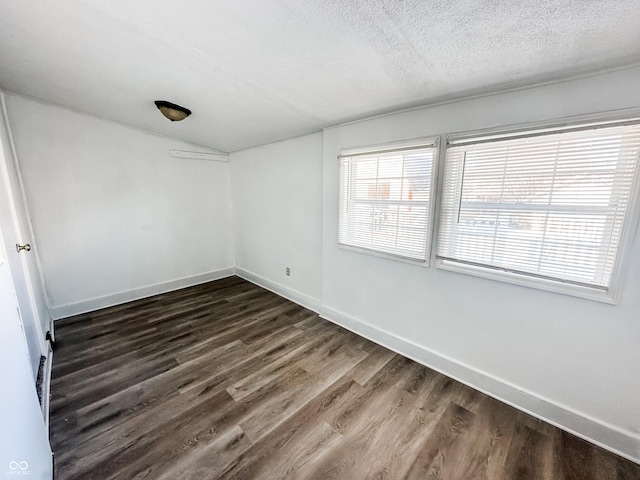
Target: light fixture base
(173,112)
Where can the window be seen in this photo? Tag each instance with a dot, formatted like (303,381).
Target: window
(541,208)
(385,200)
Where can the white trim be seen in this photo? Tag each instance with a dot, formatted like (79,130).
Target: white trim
(12,194)
(289,293)
(528,281)
(68,310)
(46,386)
(51,328)
(423,142)
(626,242)
(422,262)
(347,185)
(539,126)
(610,437)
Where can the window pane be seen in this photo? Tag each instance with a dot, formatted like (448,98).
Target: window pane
(551,205)
(384,201)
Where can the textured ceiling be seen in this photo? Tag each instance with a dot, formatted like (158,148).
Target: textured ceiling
(257,71)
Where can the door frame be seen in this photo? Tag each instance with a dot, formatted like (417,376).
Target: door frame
(20,223)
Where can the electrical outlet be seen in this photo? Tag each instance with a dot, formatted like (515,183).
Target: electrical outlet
(287,271)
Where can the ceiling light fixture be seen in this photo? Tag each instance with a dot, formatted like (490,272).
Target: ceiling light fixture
(173,112)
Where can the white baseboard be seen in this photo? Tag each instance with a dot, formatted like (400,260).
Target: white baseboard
(295,296)
(63,311)
(621,442)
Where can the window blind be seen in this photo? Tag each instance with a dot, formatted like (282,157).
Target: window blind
(550,205)
(385,200)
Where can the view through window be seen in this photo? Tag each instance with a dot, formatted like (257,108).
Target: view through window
(549,205)
(385,200)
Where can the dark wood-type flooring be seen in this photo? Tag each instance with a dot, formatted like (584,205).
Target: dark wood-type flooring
(229,381)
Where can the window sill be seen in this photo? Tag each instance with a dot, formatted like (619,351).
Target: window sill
(531,282)
(390,256)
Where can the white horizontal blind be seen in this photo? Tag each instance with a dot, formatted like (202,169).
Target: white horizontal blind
(548,205)
(385,201)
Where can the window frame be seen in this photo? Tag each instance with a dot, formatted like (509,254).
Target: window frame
(629,227)
(423,142)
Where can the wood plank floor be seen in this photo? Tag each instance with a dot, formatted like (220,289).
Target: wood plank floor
(229,381)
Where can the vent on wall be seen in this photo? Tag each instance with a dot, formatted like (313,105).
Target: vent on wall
(216,157)
(40,378)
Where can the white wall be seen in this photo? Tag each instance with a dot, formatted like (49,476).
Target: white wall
(277,214)
(115,217)
(572,361)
